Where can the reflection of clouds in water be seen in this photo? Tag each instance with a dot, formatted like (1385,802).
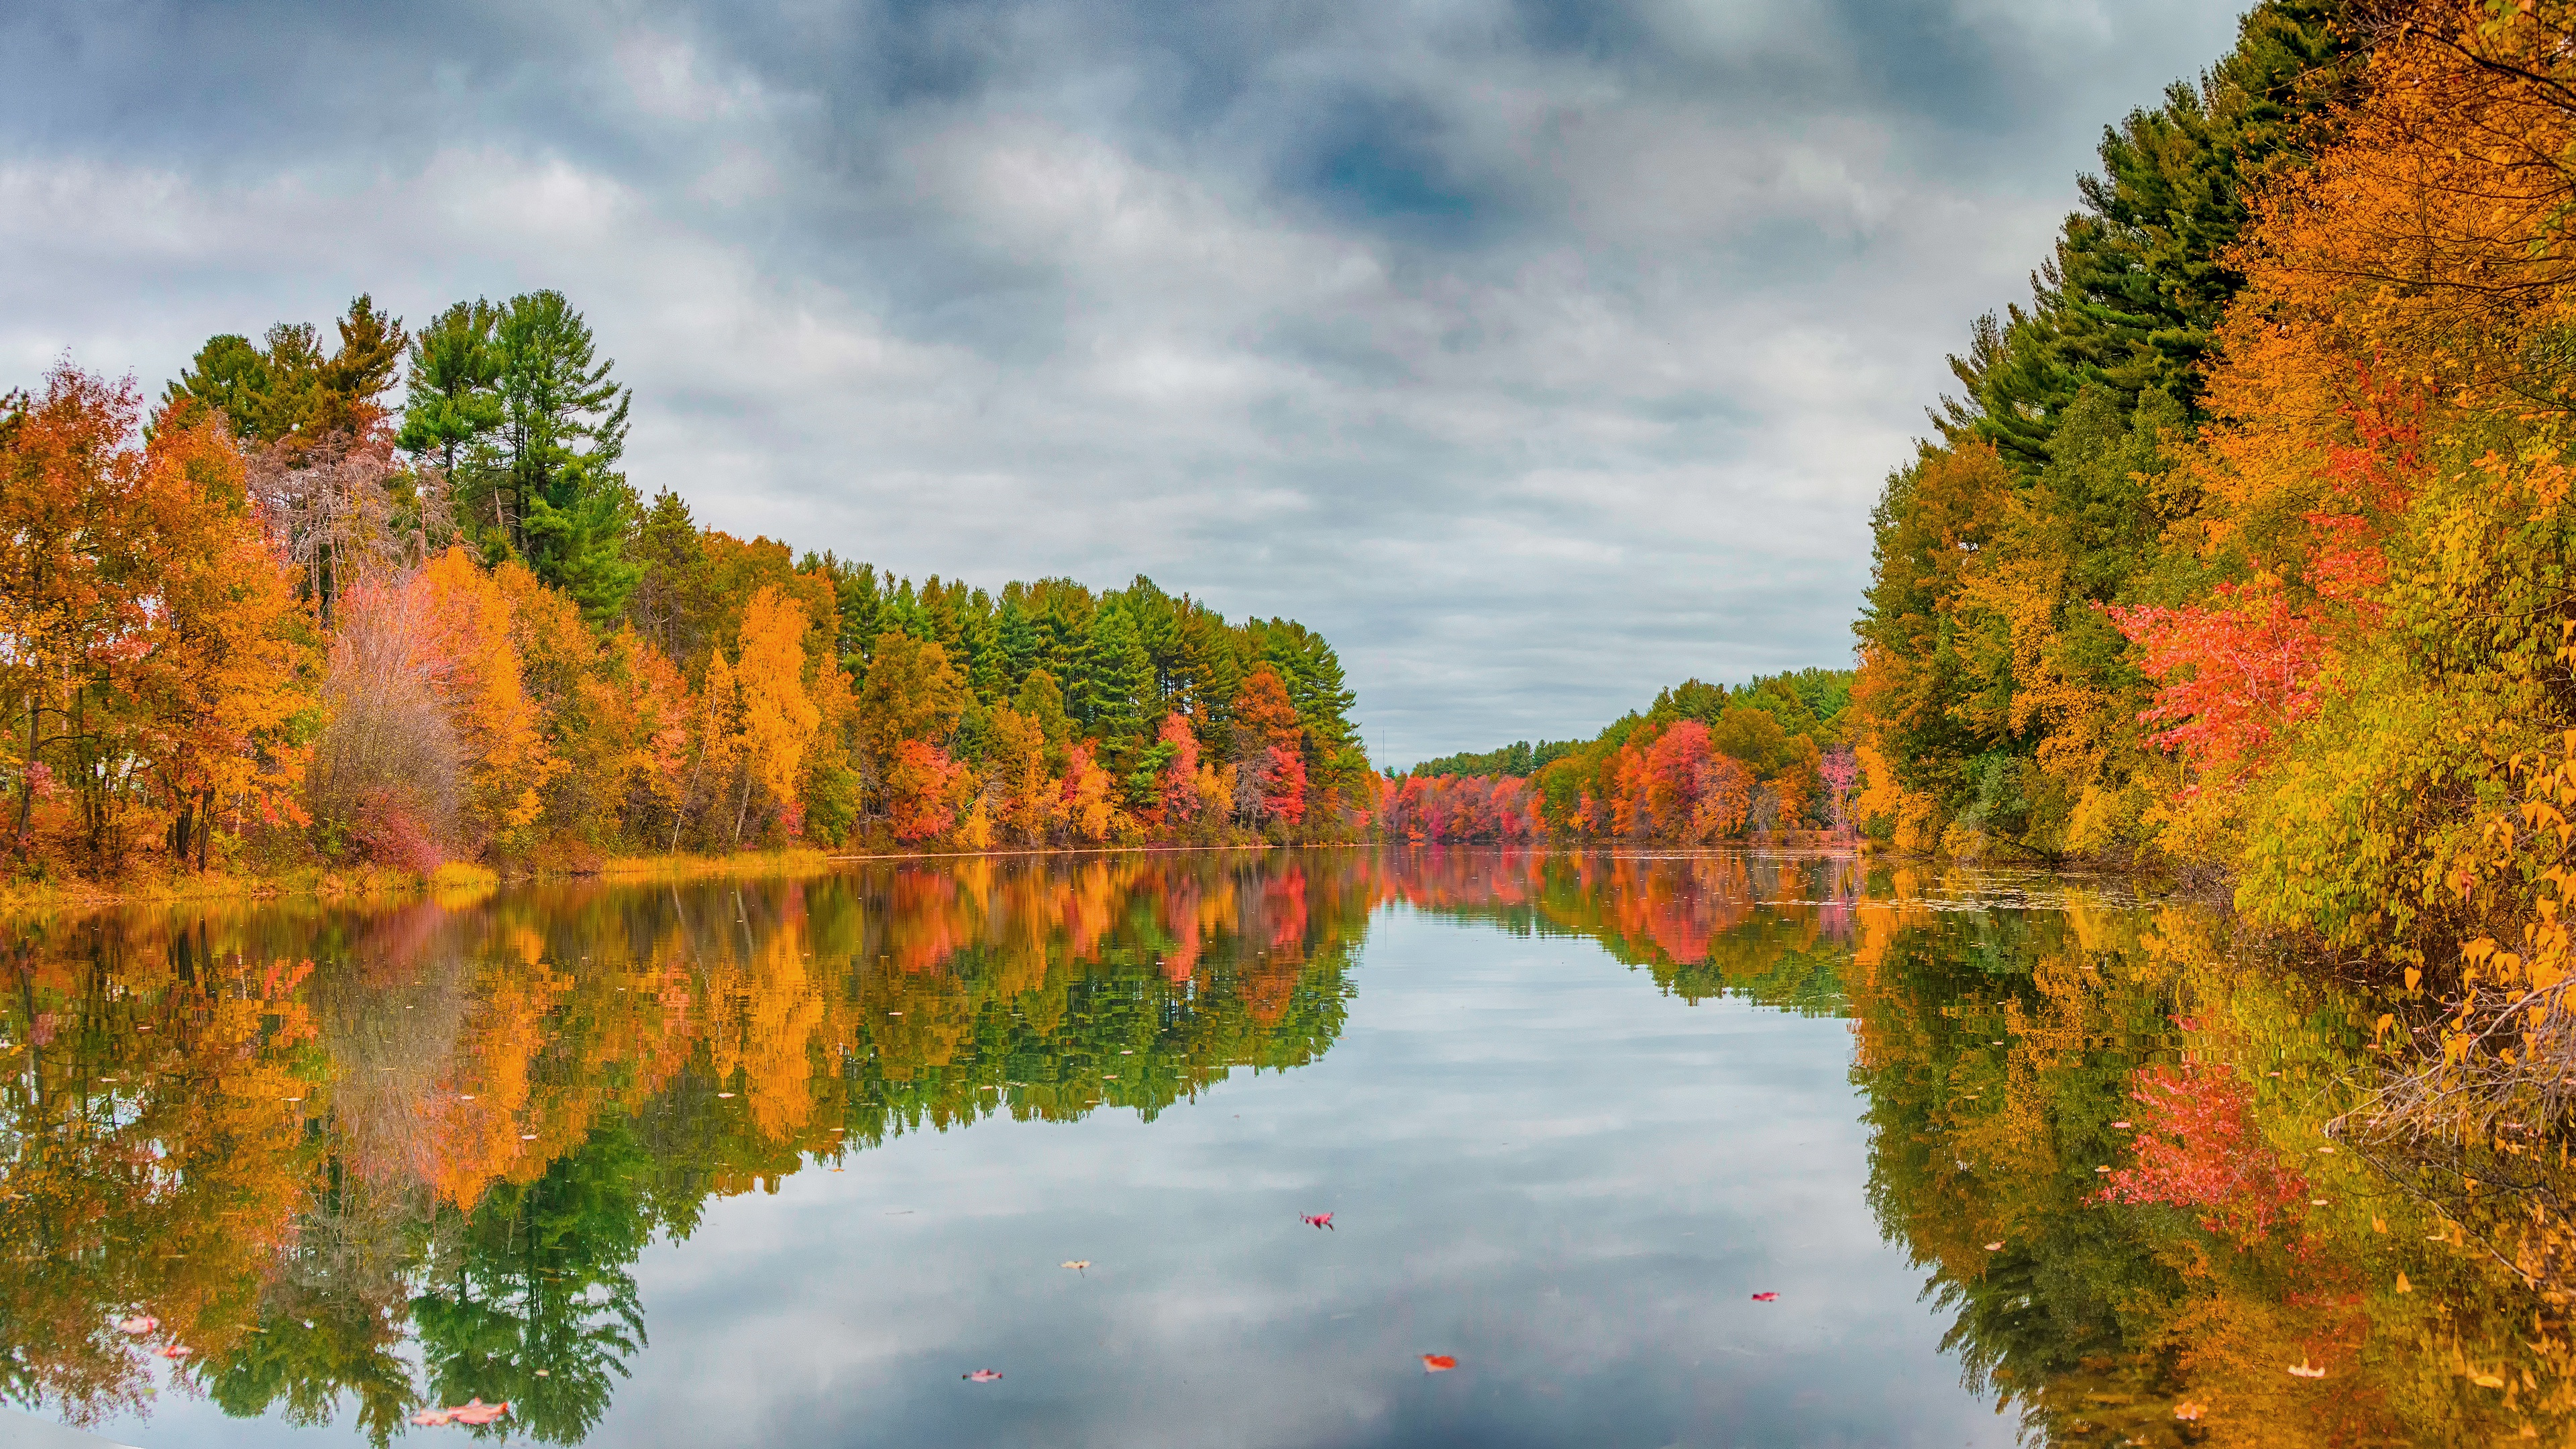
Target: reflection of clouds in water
(1515,1141)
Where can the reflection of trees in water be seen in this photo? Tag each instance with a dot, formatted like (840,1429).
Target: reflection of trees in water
(365,1160)
(308,1140)
(1774,929)
(2001,1049)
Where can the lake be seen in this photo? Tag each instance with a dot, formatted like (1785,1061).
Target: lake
(1717,1148)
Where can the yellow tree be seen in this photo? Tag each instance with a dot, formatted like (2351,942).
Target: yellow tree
(778,717)
(474,658)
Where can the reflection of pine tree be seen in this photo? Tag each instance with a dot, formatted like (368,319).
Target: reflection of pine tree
(331,1323)
(537,1280)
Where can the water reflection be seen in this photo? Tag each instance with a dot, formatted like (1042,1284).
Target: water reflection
(355,1162)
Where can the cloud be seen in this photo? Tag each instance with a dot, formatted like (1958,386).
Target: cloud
(1540,354)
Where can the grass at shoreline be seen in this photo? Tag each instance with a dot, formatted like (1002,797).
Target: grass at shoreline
(457,881)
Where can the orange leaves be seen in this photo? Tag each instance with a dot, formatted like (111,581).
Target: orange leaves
(1262,706)
(143,618)
(1457,809)
(2231,674)
(1088,806)
(1438,1363)
(1179,795)
(468,649)
(2199,1149)
(924,791)
(473,1413)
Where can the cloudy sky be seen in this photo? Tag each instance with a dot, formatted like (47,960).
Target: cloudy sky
(1541,354)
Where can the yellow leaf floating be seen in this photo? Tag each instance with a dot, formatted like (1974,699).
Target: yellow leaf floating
(2403,1286)
(2488,1381)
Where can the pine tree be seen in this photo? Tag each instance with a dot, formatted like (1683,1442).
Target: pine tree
(562,432)
(1116,687)
(454,400)
(2130,298)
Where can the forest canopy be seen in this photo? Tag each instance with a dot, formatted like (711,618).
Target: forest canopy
(384,595)
(2244,549)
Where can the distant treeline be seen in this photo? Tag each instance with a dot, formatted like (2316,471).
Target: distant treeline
(1517,758)
(1705,762)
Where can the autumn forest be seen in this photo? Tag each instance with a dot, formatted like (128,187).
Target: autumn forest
(2160,913)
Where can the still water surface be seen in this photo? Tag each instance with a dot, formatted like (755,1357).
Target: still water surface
(781,1161)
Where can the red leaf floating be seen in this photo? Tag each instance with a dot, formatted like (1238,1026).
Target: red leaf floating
(175,1350)
(1316,1220)
(434,1418)
(982,1376)
(476,1411)
(1766,1297)
(138,1325)
(1438,1363)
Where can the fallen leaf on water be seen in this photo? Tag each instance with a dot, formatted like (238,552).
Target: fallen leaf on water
(432,1418)
(982,1376)
(1766,1297)
(138,1325)
(1438,1363)
(2306,1370)
(175,1350)
(1077,1264)
(2403,1286)
(2101,1169)
(2189,1411)
(1994,1247)
(2487,1381)
(478,1412)
(1316,1220)
(2122,1125)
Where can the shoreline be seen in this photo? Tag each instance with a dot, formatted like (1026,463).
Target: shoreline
(465,879)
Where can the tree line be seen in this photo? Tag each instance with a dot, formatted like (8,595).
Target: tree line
(2244,548)
(389,597)
(1705,763)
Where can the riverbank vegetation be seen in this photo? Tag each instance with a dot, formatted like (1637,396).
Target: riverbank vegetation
(2245,551)
(2244,547)
(288,619)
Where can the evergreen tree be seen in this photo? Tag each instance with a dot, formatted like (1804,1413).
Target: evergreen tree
(2140,276)
(987,671)
(288,390)
(1115,690)
(454,399)
(1212,666)
(562,432)
(1021,638)
(675,600)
